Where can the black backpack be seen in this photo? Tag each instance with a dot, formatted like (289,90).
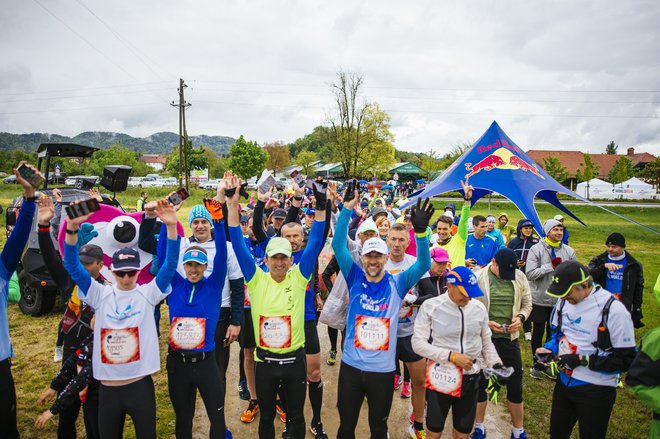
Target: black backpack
(603,341)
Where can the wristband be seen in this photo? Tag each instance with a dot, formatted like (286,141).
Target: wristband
(32,198)
(71,232)
(297,198)
(45,229)
(420,235)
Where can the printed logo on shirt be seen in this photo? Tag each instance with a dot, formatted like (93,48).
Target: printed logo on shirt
(123,315)
(372,333)
(187,333)
(275,332)
(370,304)
(120,346)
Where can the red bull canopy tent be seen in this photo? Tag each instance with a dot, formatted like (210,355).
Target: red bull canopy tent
(496,164)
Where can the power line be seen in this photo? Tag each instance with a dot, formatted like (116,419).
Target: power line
(52,110)
(102,87)
(53,98)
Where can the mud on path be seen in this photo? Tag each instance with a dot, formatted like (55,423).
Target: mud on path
(497,417)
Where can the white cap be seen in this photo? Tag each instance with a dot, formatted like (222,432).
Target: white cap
(559,217)
(448,214)
(368,225)
(374,245)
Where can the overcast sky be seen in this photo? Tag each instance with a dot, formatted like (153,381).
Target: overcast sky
(554,74)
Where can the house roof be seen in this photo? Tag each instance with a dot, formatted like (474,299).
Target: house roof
(572,160)
(153,158)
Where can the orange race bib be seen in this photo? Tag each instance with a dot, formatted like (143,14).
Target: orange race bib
(120,346)
(445,378)
(566,347)
(275,332)
(187,333)
(372,333)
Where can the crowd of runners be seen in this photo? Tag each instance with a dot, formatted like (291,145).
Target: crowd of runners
(430,301)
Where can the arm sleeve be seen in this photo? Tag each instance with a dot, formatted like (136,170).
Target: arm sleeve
(342,255)
(217,277)
(423,264)
(146,238)
(330,269)
(463,223)
(326,226)
(311,253)
(237,289)
(72,390)
(53,262)
(243,255)
(66,373)
(168,267)
(421,336)
(257,223)
(292,215)
(426,290)
(78,274)
(18,238)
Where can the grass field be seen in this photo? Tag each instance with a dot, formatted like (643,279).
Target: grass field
(34,338)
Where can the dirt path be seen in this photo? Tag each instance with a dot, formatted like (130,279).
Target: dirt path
(496,417)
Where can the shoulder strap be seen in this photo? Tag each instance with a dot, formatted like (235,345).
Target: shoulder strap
(606,312)
(559,314)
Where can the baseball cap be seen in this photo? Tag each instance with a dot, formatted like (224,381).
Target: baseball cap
(195,255)
(310,211)
(558,217)
(439,255)
(279,214)
(490,219)
(368,225)
(374,245)
(378,211)
(90,253)
(244,218)
(507,261)
(125,259)
(379,201)
(465,280)
(566,276)
(278,246)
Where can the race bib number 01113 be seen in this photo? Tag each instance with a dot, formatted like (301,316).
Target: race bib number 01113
(120,346)
(187,333)
(445,378)
(275,332)
(372,333)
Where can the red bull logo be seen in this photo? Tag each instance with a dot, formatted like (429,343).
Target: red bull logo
(502,158)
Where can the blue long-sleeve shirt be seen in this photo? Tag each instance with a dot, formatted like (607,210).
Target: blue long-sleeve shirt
(9,258)
(373,308)
(195,307)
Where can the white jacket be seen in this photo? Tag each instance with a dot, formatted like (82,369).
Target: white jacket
(454,329)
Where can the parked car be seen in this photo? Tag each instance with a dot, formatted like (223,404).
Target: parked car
(252,183)
(148,181)
(209,184)
(52,179)
(10,180)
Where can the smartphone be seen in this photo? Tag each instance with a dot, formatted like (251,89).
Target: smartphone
(177,197)
(82,208)
(266,181)
(32,177)
(298,178)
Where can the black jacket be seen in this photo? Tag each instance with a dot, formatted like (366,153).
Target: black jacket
(633,283)
(521,245)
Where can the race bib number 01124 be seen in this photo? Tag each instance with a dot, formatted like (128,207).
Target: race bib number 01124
(372,333)
(275,332)
(120,346)
(445,378)
(187,333)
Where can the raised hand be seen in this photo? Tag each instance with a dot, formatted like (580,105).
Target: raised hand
(351,195)
(298,191)
(320,194)
(94,193)
(232,184)
(28,189)
(150,209)
(420,216)
(467,190)
(45,211)
(166,212)
(264,197)
(58,195)
(220,190)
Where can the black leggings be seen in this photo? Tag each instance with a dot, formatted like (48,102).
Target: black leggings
(293,380)
(138,400)
(353,386)
(183,380)
(8,427)
(590,405)
(334,335)
(66,426)
(540,319)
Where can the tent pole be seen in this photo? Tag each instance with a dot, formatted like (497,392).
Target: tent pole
(489,199)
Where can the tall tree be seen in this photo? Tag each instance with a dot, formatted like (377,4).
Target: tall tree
(611,148)
(588,169)
(246,158)
(431,163)
(278,156)
(197,159)
(651,173)
(553,166)
(318,141)
(375,153)
(621,171)
(306,160)
(117,154)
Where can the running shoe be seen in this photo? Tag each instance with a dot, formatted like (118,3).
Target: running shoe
(550,372)
(59,353)
(317,431)
(528,336)
(478,433)
(412,418)
(416,434)
(228,434)
(332,359)
(280,411)
(397,381)
(405,392)
(538,374)
(243,391)
(250,412)
(523,435)
(286,434)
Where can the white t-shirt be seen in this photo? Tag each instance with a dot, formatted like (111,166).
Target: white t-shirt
(233,270)
(125,339)
(580,329)
(408,313)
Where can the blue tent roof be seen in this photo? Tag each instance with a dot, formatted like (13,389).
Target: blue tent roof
(496,164)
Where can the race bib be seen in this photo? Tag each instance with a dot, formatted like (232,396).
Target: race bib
(405,312)
(617,296)
(120,346)
(275,332)
(187,333)
(372,333)
(566,347)
(445,378)
(246,300)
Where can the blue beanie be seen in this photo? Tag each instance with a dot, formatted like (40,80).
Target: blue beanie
(198,211)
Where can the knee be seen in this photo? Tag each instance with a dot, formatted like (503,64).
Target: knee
(314,375)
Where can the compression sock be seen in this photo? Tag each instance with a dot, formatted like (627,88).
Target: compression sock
(418,425)
(316,400)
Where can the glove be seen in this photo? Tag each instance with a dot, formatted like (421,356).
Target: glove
(86,233)
(571,361)
(350,190)
(636,315)
(230,192)
(243,191)
(493,388)
(320,189)
(215,208)
(555,262)
(420,216)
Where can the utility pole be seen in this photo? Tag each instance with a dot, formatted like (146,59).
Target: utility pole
(183,135)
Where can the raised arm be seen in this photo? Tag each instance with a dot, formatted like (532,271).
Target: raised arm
(243,255)
(315,242)
(167,215)
(52,260)
(420,216)
(258,220)
(219,273)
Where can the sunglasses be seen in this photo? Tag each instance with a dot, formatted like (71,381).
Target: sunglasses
(129,273)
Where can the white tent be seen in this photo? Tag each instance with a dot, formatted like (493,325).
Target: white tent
(635,189)
(595,188)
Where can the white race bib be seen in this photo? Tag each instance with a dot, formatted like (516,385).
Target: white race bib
(372,333)
(275,332)
(120,346)
(566,347)
(445,378)
(187,333)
